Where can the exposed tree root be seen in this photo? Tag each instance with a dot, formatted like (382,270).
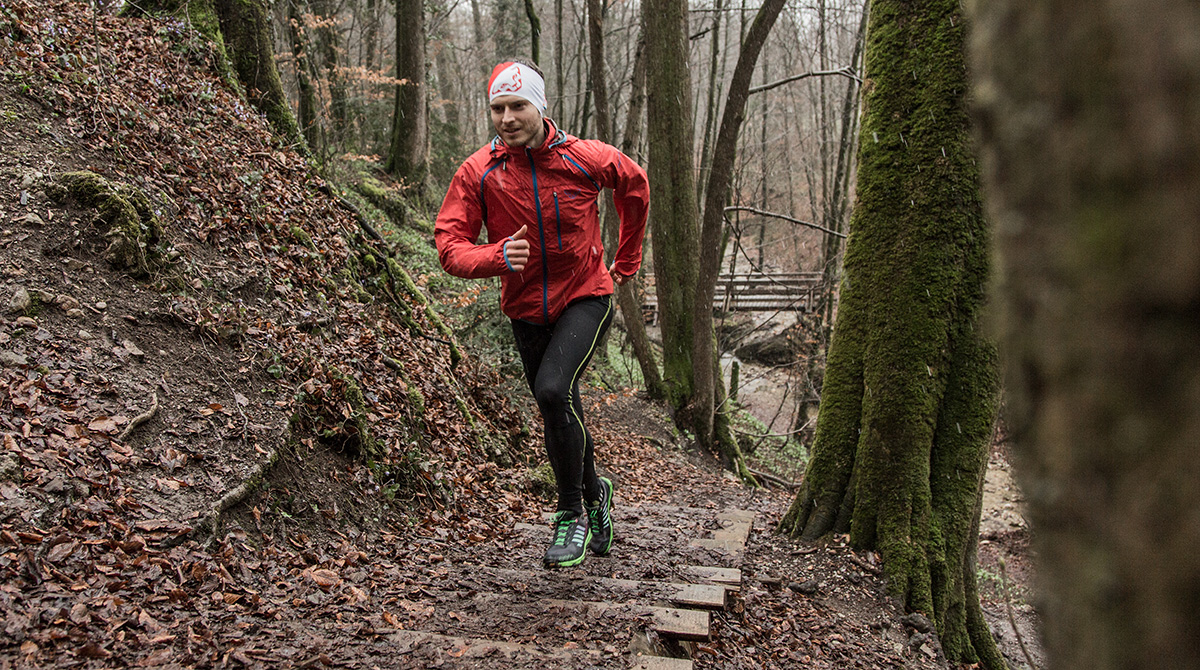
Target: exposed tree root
(211,521)
(139,420)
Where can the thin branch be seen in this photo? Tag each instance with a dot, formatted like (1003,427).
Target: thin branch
(844,71)
(785,217)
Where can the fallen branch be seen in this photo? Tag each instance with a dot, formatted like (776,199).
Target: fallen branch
(865,565)
(139,420)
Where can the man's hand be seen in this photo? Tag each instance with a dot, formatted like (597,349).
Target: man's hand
(617,277)
(516,250)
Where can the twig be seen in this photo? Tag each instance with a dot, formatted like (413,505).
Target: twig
(864,565)
(845,72)
(778,481)
(785,217)
(139,419)
(1012,619)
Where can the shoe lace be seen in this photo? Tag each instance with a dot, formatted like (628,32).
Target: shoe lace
(562,529)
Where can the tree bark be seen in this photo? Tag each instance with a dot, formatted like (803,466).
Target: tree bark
(409,151)
(535,33)
(329,42)
(910,390)
(673,213)
(309,122)
(707,368)
(1088,124)
(627,299)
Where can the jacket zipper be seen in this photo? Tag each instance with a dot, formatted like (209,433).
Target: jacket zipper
(558,221)
(537,206)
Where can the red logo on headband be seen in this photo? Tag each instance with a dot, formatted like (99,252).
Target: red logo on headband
(510,84)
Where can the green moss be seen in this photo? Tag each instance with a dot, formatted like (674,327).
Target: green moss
(368,446)
(133,230)
(303,237)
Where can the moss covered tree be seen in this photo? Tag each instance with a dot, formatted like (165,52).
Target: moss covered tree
(1090,136)
(240,32)
(674,215)
(909,397)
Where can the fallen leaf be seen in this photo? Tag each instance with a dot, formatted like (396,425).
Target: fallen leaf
(325,578)
(61,551)
(103,424)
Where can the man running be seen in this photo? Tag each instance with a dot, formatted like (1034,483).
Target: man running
(536,188)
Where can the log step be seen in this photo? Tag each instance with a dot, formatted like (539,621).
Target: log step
(690,625)
(698,596)
(728,577)
(474,650)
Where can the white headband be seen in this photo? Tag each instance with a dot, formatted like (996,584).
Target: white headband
(519,80)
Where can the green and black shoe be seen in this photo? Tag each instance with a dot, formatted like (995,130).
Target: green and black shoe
(571,537)
(600,519)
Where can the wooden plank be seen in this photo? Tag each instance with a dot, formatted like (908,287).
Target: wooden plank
(473,648)
(700,596)
(733,549)
(670,622)
(661,663)
(730,577)
(680,624)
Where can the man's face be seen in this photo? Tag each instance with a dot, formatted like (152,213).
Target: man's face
(517,121)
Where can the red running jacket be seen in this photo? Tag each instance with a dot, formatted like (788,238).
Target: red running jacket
(552,188)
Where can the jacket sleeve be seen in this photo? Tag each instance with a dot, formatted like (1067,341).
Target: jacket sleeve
(631,195)
(457,229)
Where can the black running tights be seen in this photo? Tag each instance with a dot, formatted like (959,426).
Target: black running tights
(554,358)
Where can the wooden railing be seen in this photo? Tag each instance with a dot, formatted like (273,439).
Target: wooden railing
(756,292)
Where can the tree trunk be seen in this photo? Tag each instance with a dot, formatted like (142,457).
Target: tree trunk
(707,368)
(710,107)
(1088,123)
(627,294)
(673,214)
(535,33)
(309,122)
(910,390)
(409,151)
(329,41)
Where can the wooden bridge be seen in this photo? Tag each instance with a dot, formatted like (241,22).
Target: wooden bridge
(757,292)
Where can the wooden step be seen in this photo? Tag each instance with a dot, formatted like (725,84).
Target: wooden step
(476,649)
(728,577)
(661,663)
(679,624)
(690,625)
(697,596)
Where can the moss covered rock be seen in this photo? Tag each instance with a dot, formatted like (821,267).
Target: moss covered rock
(124,212)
